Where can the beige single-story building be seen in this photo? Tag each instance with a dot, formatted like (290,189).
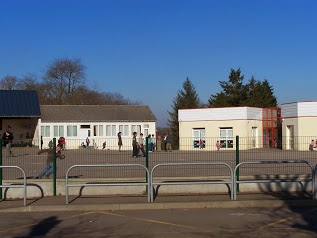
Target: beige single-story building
(256,127)
(299,124)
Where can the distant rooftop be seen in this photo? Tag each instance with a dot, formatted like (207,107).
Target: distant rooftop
(19,103)
(96,113)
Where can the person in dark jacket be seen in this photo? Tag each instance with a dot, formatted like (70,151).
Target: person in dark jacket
(7,141)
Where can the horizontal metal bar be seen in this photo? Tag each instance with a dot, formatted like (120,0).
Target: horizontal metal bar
(108,184)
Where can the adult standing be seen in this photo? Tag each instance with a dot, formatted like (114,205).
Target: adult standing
(168,143)
(119,141)
(150,144)
(164,139)
(153,142)
(141,144)
(158,142)
(135,151)
(87,142)
(7,139)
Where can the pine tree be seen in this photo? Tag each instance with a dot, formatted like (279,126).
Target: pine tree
(185,99)
(233,94)
(260,94)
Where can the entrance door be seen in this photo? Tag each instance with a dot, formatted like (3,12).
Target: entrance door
(290,137)
(254,134)
(83,134)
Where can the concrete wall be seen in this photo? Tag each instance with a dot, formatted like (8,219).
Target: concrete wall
(39,188)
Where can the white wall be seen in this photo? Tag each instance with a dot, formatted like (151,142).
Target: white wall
(75,142)
(220,114)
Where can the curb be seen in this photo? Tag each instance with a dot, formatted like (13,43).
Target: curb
(169,205)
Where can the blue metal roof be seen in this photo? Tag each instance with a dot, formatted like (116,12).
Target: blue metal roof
(19,103)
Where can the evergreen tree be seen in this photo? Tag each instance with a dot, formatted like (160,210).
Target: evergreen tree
(260,94)
(233,94)
(185,99)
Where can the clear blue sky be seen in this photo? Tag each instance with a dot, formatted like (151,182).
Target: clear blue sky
(145,49)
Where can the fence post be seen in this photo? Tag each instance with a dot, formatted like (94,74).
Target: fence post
(54,166)
(146,159)
(1,169)
(237,162)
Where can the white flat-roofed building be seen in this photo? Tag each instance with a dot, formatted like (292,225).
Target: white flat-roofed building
(299,124)
(223,124)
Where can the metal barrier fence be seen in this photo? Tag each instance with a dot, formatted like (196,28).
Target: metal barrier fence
(17,185)
(274,180)
(315,183)
(232,152)
(147,183)
(193,180)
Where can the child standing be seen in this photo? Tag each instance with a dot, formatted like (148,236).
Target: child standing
(218,145)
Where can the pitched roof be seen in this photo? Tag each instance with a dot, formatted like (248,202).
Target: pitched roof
(93,113)
(19,103)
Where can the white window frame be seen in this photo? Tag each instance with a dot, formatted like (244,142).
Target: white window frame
(226,137)
(136,128)
(60,131)
(124,129)
(72,131)
(46,131)
(111,130)
(98,130)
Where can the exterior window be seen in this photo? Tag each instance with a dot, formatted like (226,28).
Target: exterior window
(98,130)
(199,139)
(146,132)
(45,131)
(111,130)
(136,128)
(124,130)
(226,137)
(58,131)
(71,131)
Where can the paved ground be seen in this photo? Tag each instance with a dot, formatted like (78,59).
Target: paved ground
(28,159)
(216,222)
(204,215)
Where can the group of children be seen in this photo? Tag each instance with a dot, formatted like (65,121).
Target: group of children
(202,144)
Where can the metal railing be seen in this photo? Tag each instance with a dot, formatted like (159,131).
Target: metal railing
(314,183)
(273,180)
(17,185)
(192,181)
(147,184)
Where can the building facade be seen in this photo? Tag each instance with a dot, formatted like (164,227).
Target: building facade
(100,123)
(220,124)
(298,126)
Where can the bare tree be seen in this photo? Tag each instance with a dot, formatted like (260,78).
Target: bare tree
(29,82)
(64,76)
(9,82)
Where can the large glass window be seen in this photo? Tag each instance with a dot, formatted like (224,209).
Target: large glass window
(71,131)
(136,128)
(226,137)
(199,139)
(98,130)
(111,130)
(45,131)
(58,131)
(124,130)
